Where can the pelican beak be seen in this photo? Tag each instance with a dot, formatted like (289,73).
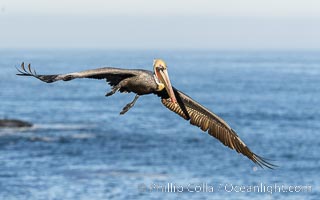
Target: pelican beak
(164,77)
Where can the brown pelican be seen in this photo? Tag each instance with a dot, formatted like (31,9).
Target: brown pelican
(144,82)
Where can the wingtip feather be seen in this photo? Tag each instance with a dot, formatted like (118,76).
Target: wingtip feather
(23,72)
(263,162)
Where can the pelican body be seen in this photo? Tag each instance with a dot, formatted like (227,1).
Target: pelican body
(143,82)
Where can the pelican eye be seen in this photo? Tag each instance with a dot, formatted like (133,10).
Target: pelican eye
(160,68)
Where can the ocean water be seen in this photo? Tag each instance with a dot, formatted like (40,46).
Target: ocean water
(81,148)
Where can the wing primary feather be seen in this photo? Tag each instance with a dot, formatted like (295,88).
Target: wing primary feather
(22,66)
(19,71)
(112,75)
(263,162)
(29,68)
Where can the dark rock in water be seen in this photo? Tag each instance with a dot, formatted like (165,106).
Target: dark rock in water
(13,123)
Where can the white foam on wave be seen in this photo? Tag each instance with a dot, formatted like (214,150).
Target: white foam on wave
(82,136)
(10,131)
(63,126)
(79,136)
(44,138)
(18,130)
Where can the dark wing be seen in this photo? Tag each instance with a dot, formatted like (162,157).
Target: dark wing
(200,116)
(112,75)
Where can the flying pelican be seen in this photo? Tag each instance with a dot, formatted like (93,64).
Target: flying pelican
(144,82)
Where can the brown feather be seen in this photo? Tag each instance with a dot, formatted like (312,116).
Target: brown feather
(29,68)
(22,66)
(207,121)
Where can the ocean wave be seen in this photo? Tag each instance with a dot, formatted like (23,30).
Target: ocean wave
(65,138)
(60,126)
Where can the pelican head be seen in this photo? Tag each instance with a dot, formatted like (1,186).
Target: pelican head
(162,78)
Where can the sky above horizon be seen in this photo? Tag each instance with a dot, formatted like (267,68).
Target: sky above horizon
(143,24)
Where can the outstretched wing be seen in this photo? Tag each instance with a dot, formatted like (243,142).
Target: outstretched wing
(112,75)
(200,116)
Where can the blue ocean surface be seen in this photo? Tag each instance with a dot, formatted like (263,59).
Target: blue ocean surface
(81,148)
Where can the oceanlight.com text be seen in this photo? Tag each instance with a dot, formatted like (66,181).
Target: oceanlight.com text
(223,187)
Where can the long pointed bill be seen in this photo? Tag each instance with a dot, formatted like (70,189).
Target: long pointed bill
(166,81)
